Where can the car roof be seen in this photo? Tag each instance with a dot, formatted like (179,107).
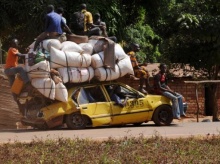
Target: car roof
(71,86)
(91,83)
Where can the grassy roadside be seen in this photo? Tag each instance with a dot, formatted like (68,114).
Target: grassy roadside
(127,150)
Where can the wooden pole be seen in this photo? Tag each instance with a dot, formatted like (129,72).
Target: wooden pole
(197,102)
(1,62)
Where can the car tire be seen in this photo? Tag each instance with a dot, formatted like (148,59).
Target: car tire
(163,115)
(75,121)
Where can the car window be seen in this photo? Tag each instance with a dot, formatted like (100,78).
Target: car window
(122,91)
(79,96)
(95,94)
(85,95)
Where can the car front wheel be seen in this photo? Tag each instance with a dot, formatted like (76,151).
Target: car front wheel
(75,121)
(163,115)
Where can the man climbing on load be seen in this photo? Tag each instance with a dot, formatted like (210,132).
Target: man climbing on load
(53,26)
(139,71)
(12,68)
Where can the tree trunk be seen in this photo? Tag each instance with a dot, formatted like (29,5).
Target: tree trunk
(211,105)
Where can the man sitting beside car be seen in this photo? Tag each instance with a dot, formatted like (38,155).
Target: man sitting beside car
(161,88)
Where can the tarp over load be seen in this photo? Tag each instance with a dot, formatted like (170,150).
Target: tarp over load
(75,63)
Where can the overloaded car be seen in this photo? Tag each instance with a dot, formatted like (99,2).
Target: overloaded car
(93,105)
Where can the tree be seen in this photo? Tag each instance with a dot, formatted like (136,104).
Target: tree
(195,40)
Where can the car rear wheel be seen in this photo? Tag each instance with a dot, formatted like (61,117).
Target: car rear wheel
(76,121)
(163,115)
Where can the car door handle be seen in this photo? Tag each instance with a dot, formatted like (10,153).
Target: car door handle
(84,107)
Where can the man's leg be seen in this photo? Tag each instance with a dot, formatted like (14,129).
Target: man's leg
(40,38)
(180,102)
(14,70)
(94,31)
(113,38)
(10,72)
(23,75)
(175,104)
(11,79)
(141,86)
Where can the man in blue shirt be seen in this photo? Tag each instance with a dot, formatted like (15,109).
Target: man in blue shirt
(53,26)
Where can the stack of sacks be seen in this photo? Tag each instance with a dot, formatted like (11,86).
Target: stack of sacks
(123,64)
(39,70)
(40,74)
(73,61)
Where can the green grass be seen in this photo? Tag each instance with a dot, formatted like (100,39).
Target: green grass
(117,151)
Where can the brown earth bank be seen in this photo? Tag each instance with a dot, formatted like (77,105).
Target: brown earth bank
(9,113)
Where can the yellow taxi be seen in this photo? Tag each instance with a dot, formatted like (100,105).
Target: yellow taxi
(92,105)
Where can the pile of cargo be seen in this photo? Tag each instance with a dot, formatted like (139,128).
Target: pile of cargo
(56,64)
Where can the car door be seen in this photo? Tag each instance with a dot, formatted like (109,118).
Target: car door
(92,102)
(135,110)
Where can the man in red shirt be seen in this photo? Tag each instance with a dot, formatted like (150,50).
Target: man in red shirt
(11,66)
(161,88)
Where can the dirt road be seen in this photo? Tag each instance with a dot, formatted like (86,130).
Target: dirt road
(176,130)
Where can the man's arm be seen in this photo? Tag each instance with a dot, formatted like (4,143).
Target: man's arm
(66,27)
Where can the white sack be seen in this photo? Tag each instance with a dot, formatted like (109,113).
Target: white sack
(30,50)
(48,43)
(107,74)
(39,70)
(119,52)
(87,48)
(71,46)
(60,59)
(93,42)
(76,75)
(122,68)
(125,66)
(97,60)
(31,46)
(46,86)
(61,92)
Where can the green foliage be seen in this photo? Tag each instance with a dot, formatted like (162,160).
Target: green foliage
(193,35)
(143,34)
